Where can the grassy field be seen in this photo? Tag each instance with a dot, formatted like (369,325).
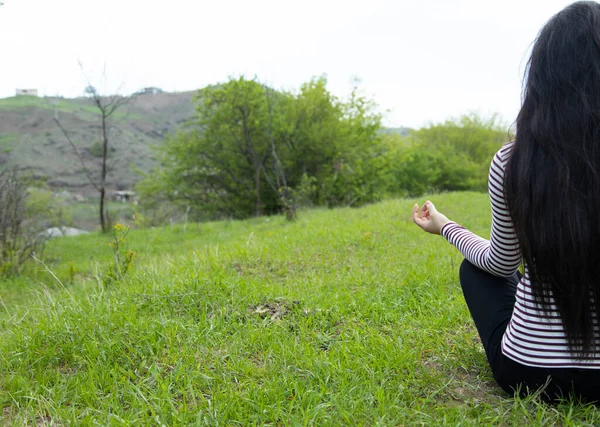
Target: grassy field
(344,317)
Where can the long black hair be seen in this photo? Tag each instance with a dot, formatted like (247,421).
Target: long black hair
(552,183)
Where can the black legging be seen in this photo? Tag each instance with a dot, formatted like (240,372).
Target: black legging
(491,300)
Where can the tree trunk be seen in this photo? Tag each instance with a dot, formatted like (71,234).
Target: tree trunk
(289,203)
(103,175)
(102,220)
(257,189)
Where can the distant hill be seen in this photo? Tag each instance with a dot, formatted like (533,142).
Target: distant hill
(29,137)
(400,131)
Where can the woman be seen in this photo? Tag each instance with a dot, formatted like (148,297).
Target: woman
(540,330)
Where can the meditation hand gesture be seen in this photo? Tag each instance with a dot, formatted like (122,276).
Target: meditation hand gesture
(428,218)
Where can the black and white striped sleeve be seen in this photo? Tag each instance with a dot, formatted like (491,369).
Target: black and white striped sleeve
(501,255)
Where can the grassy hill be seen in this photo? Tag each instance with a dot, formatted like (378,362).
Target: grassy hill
(29,137)
(344,317)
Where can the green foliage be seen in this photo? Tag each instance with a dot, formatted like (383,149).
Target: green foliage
(349,317)
(159,202)
(347,136)
(451,156)
(46,209)
(305,192)
(249,147)
(417,170)
(19,222)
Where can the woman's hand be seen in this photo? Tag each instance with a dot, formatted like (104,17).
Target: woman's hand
(428,218)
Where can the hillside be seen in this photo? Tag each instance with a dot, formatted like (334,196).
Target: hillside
(29,137)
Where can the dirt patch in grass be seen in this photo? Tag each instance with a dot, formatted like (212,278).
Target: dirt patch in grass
(274,310)
(470,386)
(6,415)
(66,370)
(463,385)
(44,420)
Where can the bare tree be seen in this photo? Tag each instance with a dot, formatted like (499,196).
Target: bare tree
(107,106)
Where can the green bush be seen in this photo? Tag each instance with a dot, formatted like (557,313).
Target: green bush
(452,156)
(250,147)
(44,209)
(97,149)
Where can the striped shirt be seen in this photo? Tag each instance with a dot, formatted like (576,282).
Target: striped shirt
(533,337)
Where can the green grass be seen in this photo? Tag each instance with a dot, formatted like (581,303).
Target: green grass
(7,142)
(345,317)
(65,105)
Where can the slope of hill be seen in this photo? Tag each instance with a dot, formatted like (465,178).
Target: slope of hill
(29,137)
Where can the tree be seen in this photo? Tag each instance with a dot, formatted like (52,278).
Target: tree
(251,149)
(219,160)
(107,106)
(339,143)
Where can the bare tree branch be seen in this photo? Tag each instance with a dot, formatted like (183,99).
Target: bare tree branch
(107,106)
(85,168)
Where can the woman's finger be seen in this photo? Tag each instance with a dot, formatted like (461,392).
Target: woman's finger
(415,213)
(417,217)
(430,207)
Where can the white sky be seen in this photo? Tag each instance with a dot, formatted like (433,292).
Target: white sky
(421,60)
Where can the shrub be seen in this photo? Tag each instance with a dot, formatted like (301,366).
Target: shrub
(450,156)
(18,237)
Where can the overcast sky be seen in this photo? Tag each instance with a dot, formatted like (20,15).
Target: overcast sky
(424,61)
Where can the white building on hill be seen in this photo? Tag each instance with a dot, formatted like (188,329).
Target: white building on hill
(27,92)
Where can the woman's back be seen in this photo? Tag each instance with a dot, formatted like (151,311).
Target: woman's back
(535,335)
(552,182)
(541,330)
